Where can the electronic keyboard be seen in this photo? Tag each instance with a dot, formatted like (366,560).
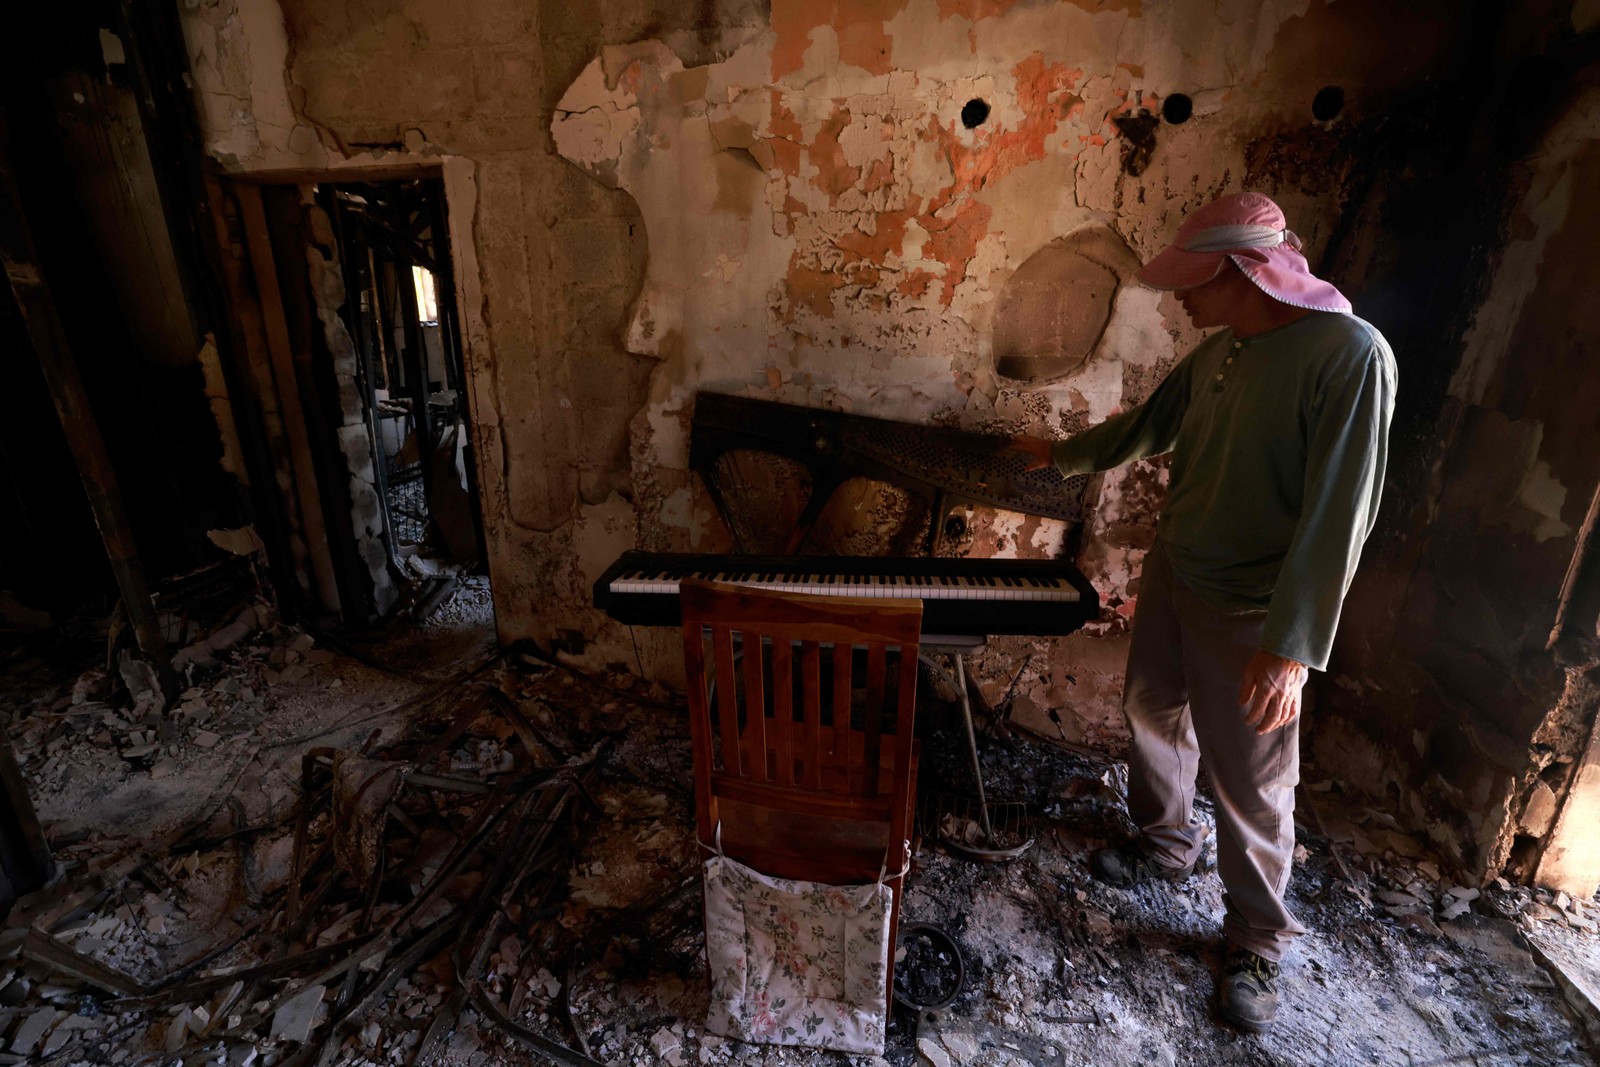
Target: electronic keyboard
(959,596)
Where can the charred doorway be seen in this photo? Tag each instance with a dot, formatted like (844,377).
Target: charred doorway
(345,297)
(400,312)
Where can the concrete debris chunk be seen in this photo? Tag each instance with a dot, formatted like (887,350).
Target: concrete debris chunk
(930,1051)
(665,1042)
(964,1047)
(1580,922)
(33,1028)
(297,1017)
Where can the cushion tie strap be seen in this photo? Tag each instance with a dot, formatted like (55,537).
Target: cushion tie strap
(716,845)
(883,868)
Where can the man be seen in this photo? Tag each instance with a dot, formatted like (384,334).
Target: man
(1278,429)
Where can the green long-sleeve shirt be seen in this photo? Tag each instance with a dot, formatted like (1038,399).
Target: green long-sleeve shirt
(1279,443)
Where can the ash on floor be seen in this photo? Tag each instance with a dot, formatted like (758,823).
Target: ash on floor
(1403,966)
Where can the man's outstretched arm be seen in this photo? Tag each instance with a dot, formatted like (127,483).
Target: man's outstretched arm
(1147,430)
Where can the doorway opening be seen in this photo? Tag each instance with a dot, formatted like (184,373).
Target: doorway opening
(400,312)
(359,349)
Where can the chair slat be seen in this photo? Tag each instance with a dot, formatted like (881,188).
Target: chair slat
(876,657)
(727,698)
(755,709)
(811,702)
(839,753)
(782,732)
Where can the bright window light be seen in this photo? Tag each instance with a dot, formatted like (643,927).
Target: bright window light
(427,295)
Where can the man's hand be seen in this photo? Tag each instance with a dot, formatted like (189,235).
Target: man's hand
(1271,691)
(1042,452)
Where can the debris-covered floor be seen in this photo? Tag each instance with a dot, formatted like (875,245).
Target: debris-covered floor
(421,850)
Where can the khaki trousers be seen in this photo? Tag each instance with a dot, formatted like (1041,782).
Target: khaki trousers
(1181,699)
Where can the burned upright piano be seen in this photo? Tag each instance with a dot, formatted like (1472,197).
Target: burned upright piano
(945,468)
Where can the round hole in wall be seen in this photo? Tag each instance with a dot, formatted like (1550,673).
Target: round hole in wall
(1327,104)
(973,112)
(1177,108)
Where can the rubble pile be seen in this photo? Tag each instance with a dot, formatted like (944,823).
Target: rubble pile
(222,683)
(394,896)
(498,868)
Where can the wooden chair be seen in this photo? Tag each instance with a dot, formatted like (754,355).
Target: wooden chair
(805,779)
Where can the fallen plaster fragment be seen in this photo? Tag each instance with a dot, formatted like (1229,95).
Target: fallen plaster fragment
(216,389)
(1575,966)
(178,1030)
(241,542)
(297,1016)
(33,1028)
(964,1047)
(1540,811)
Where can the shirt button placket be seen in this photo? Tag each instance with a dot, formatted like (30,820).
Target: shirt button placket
(1222,376)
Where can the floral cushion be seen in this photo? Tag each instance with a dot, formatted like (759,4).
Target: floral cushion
(796,963)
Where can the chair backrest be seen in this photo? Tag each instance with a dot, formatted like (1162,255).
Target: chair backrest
(791,732)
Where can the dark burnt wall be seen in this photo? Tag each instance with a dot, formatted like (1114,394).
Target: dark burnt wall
(1445,698)
(90,189)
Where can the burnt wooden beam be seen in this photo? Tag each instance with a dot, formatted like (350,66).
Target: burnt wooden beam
(60,368)
(258,242)
(320,404)
(158,64)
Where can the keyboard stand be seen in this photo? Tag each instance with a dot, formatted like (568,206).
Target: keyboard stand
(958,647)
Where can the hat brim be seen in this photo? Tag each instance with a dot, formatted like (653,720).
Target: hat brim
(1283,274)
(1176,269)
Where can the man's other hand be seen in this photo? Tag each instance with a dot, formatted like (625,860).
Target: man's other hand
(1271,691)
(1041,453)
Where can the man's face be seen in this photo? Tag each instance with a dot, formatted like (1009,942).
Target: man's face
(1213,303)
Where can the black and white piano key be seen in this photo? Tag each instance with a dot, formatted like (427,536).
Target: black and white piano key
(920,587)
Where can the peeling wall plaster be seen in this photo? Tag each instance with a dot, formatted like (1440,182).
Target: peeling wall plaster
(824,229)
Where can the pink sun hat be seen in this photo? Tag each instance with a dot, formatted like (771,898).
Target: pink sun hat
(1249,229)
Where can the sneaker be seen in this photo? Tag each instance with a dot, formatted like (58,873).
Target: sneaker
(1248,996)
(1128,865)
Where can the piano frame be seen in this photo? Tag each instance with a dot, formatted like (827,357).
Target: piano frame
(944,468)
